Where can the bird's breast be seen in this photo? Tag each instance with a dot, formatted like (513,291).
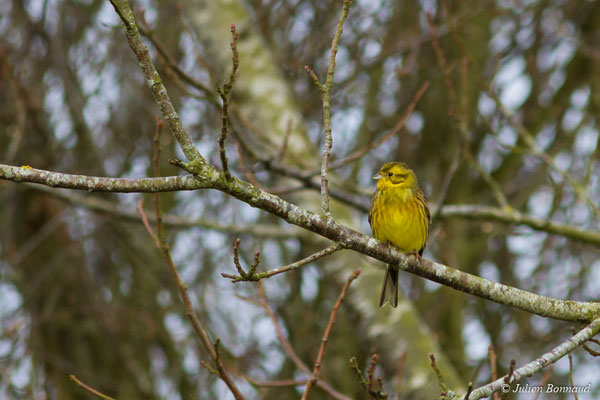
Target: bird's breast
(397,218)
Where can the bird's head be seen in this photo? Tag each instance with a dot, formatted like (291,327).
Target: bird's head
(397,175)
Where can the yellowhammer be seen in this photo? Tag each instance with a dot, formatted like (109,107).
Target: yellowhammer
(399,215)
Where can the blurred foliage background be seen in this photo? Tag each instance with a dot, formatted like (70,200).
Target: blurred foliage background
(84,292)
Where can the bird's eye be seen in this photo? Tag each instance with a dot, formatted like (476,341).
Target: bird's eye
(390,173)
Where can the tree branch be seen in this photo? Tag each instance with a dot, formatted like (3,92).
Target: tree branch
(541,362)
(290,267)
(207,177)
(99,184)
(162,245)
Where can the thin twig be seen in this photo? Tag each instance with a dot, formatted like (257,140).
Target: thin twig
(224,93)
(469,390)
(325,90)
(162,245)
(591,352)
(287,347)
(315,374)
(314,77)
(247,171)
(277,383)
(439,375)
(571,375)
(543,382)
(400,370)
(90,389)
(377,394)
(511,370)
(288,132)
(290,267)
(244,276)
(493,367)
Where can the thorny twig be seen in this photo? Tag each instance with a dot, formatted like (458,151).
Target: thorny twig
(315,374)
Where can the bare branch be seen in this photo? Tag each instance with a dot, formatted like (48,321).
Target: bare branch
(543,382)
(287,347)
(224,93)
(439,375)
(325,90)
(493,367)
(372,386)
(571,375)
(99,184)
(315,78)
(290,267)
(513,216)
(441,197)
(244,276)
(469,390)
(315,374)
(162,245)
(541,362)
(206,177)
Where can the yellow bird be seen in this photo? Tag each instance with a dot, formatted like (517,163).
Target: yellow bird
(399,215)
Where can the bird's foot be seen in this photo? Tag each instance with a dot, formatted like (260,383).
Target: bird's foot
(417,256)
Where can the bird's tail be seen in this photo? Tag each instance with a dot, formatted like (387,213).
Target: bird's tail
(389,291)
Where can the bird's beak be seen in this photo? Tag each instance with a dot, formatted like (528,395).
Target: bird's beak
(377,177)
